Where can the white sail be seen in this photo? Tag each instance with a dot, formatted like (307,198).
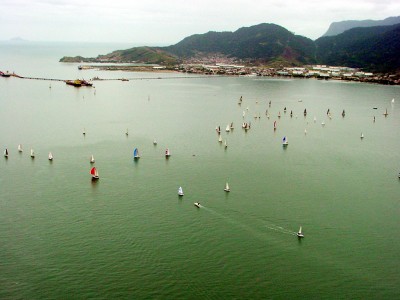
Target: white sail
(92,159)
(228,128)
(50,156)
(180,191)
(227,189)
(32,153)
(220,139)
(20,148)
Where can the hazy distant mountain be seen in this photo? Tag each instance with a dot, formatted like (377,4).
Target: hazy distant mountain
(372,48)
(339,27)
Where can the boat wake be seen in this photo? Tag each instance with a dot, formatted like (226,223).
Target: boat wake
(280,229)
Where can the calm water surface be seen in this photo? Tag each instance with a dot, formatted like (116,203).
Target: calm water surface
(130,236)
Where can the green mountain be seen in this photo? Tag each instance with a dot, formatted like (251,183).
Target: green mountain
(263,43)
(339,27)
(372,48)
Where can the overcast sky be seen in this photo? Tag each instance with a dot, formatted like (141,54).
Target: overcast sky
(165,22)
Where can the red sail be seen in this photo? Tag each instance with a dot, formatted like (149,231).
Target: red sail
(93,171)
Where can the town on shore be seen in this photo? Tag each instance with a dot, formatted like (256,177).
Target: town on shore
(322,72)
(310,71)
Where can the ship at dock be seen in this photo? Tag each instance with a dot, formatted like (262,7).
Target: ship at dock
(78,82)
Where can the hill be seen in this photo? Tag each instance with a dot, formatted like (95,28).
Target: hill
(375,49)
(263,43)
(339,27)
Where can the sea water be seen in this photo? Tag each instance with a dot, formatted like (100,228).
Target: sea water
(129,235)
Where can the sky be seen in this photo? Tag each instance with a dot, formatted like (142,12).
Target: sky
(166,22)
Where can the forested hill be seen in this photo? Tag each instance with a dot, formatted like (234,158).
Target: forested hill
(372,48)
(263,43)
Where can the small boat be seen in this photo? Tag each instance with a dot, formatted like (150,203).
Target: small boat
(94,173)
(226,144)
(180,191)
(6,153)
(274,125)
(362,135)
(32,153)
(220,139)
(197,204)
(300,234)
(393,100)
(285,142)
(305,112)
(167,153)
(218,129)
(279,114)
(386,113)
(126,133)
(291,113)
(92,159)
(323,123)
(136,154)
(231,126)
(50,156)
(154,142)
(84,131)
(227,189)
(300,100)
(343,113)
(284,110)
(315,119)
(20,148)
(228,128)
(305,131)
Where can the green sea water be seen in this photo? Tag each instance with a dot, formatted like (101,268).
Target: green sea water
(130,236)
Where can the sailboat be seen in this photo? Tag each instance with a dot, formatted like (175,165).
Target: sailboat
(167,153)
(220,139)
(228,128)
(362,135)
(300,234)
(197,204)
(226,144)
(20,148)
(136,154)
(92,159)
(126,133)
(274,125)
(386,113)
(94,173)
(218,129)
(32,153)
(285,142)
(50,156)
(305,112)
(180,191)
(343,113)
(6,153)
(154,142)
(227,189)
(231,126)
(84,131)
(393,100)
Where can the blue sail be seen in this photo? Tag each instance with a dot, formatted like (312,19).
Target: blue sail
(135,153)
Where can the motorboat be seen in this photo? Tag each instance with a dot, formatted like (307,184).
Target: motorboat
(197,204)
